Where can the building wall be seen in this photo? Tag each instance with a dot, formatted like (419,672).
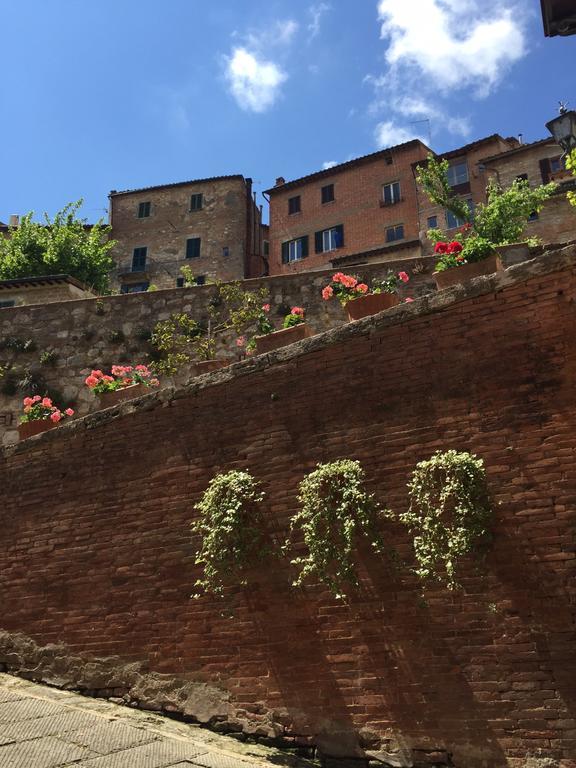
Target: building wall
(113,329)
(44,294)
(96,553)
(223,222)
(357,206)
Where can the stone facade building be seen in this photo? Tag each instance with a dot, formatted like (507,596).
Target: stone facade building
(356,212)
(211,225)
(41,290)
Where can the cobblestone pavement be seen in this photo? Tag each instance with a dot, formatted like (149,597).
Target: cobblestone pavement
(43,727)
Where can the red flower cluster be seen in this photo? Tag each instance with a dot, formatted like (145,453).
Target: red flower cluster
(122,376)
(454,247)
(299,311)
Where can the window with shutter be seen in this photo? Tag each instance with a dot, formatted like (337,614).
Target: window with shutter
(193,248)
(143,210)
(139,259)
(295,250)
(395,233)
(294,204)
(545,170)
(196,202)
(327,193)
(391,193)
(329,239)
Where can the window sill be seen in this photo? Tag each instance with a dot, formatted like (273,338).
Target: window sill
(296,213)
(329,202)
(383,204)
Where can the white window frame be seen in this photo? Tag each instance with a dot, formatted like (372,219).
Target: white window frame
(329,240)
(459,222)
(295,249)
(395,193)
(454,178)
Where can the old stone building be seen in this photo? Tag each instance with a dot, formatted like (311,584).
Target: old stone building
(211,225)
(41,290)
(356,212)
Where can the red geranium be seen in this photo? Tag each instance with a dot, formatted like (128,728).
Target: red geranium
(441,248)
(455,247)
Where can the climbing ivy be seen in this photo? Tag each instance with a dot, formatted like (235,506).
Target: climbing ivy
(231,527)
(335,511)
(449,513)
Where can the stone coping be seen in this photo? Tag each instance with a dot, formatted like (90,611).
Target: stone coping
(547,263)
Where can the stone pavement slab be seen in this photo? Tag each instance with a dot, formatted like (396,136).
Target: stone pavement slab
(42,727)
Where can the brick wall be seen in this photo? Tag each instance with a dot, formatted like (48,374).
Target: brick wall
(97,333)
(356,206)
(96,552)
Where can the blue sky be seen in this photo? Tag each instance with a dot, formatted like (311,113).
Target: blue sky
(119,94)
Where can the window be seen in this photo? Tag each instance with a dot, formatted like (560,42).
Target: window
(533,216)
(7,303)
(391,193)
(134,288)
(327,193)
(139,259)
(143,210)
(458,174)
(196,202)
(329,239)
(522,177)
(294,204)
(225,251)
(200,279)
(193,248)
(294,250)
(266,248)
(556,164)
(452,222)
(432,222)
(395,233)
(179,282)
(388,159)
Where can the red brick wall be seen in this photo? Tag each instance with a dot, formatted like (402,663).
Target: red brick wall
(96,550)
(358,193)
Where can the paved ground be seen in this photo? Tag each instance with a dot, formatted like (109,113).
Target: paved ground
(43,727)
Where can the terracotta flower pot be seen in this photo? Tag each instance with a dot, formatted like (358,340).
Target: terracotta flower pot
(371,304)
(457,275)
(108,399)
(205,366)
(35,427)
(282,338)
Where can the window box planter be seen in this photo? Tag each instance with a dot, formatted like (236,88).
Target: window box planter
(108,399)
(36,427)
(370,305)
(205,366)
(457,275)
(282,338)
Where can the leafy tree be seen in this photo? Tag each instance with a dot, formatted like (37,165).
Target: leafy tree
(63,246)
(571,165)
(501,219)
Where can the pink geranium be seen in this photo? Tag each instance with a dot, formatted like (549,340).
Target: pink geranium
(327,292)
(266,307)
(297,311)
(362,288)
(56,416)
(403,276)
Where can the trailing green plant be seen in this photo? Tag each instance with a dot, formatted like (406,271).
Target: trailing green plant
(62,245)
(335,511)
(231,526)
(49,357)
(449,514)
(116,336)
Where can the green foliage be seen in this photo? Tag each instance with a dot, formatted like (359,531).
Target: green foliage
(180,339)
(63,245)
(49,357)
(433,178)
(188,275)
(335,511)
(231,526)
(571,166)
(449,513)
(503,218)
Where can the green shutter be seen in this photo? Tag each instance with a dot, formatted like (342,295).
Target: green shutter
(304,246)
(285,247)
(318,247)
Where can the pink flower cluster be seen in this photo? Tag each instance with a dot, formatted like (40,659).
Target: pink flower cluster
(298,311)
(403,276)
(122,376)
(43,408)
(266,307)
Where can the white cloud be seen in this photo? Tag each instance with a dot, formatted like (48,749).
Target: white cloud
(455,43)
(316,12)
(329,164)
(254,82)
(281,33)
(388,134)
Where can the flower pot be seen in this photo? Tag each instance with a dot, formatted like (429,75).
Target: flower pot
(108,399)
(281,338)
(205,366)
(514,253)
(456,275)
(35,427)
(371,304)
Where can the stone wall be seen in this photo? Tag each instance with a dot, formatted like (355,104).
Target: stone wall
(97,333)
(97,561)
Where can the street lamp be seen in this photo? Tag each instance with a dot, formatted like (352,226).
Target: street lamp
(563,128)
